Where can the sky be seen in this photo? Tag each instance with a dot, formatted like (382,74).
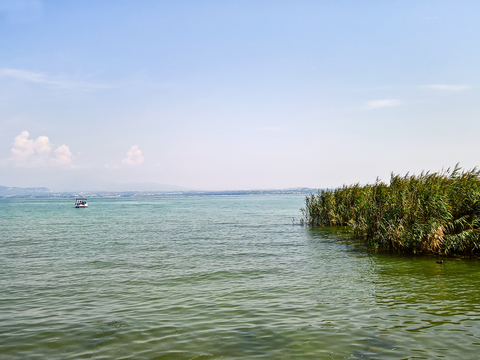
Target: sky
(225,95)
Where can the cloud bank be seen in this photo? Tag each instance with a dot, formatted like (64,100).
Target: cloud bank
(134,156)
(35,152)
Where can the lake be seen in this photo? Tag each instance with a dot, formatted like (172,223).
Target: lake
(211,277)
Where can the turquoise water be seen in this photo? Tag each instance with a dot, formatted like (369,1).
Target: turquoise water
(218,277)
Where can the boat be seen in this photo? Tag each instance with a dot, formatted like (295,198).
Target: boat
(81,203)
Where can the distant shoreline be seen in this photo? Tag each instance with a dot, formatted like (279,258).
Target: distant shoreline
(35,193)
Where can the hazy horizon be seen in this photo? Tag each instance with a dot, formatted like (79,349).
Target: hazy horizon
(244,95)
(136,187)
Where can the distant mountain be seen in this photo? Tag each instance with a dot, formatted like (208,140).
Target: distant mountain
(17,191)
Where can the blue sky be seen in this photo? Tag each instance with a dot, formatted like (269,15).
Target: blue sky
(236,94)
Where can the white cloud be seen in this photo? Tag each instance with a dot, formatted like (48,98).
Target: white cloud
(59,81)
(134,156)
(63,155)
(22,146)
(375,104)
(42,145)
(447,87)
(29,152)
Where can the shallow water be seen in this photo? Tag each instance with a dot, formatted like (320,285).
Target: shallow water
(218,277)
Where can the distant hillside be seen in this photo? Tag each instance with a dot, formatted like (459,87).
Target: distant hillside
(17,191)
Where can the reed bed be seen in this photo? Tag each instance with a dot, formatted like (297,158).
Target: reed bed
(427,213)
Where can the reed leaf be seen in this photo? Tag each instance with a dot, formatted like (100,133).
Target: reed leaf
(431,212)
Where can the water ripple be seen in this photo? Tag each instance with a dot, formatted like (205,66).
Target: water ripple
(218,277)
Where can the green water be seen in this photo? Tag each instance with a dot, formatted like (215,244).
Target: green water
(218,277)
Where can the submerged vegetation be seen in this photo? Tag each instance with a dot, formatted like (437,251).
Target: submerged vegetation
(427,213)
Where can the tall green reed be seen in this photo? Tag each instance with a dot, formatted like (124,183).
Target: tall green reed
(428,213)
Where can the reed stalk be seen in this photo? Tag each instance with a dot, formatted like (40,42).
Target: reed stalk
(427,213)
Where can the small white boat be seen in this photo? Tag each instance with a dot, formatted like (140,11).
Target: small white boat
(81,203)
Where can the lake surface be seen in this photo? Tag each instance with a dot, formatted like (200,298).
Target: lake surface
(219,277)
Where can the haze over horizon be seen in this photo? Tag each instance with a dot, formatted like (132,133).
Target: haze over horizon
(217,95)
